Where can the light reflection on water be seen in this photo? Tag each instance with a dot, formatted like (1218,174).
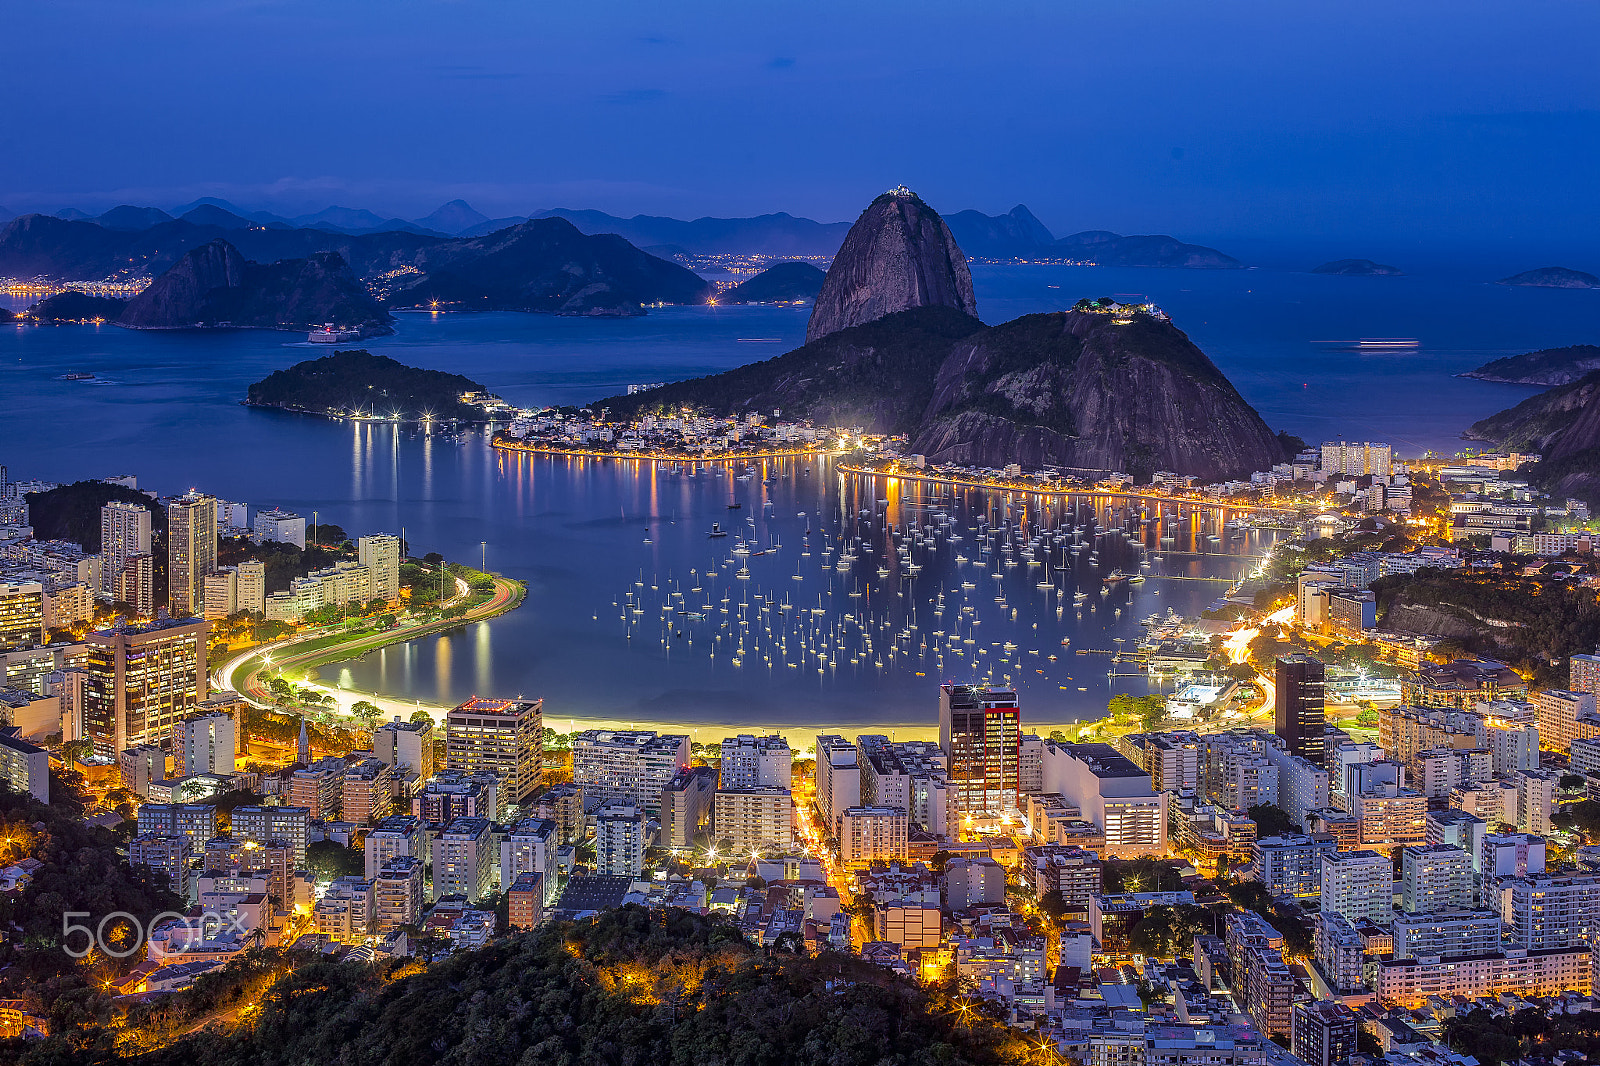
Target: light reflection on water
(592,638)
(165,406)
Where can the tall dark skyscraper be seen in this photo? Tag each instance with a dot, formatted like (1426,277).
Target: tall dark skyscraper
(980,730)
(1299,708)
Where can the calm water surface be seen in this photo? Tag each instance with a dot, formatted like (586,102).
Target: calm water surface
(165,406)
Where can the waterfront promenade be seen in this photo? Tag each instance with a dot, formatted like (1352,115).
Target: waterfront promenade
(534,448)
(992,484)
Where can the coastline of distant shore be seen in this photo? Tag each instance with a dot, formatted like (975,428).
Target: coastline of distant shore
(658,457)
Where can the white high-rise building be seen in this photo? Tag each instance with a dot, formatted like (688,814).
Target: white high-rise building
(284,527)
(1289,865)
(1536,799)
(1585,755)
(1509,855)
(872,834)
(1358,885)
(1513,747)
(1112,793)
(627,766)
(380,554)
(619,840)
(1436,877)
(221,593)
(407,746)
(838,777)
(1447,934)
(1356,460)
(1303,786)
(124,532)
(234,517)
(1341,761)
(756,762)
(206,744)
(396,837)
(1552,911)
(463,859)
(1173,761)
(753,818)
(252,586)
(1558,711)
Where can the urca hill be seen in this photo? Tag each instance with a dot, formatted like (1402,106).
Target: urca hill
(895,347)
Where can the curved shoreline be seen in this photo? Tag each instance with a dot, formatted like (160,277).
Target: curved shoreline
(1041,490)
(281,655)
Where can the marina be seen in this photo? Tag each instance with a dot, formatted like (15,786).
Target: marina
(791,590)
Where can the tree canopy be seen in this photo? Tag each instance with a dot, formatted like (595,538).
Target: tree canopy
(1271,821)
(631,987)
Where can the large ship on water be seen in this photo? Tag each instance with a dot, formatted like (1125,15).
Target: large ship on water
(329,335)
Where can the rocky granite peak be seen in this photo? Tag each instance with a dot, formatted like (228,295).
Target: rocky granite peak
(215,285)
(899,255)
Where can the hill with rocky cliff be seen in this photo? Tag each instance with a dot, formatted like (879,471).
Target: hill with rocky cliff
(1548,366)
(1537,423)
(1106,249)
(545,264)
(1562,424)
(1085,389)
(215,285)
(1017,233)
(1093,390)
(898,255)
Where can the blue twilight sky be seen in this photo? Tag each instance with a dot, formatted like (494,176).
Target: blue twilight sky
(1380,126)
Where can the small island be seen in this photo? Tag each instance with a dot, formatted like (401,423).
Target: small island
(780,283)
(75,306)
(1358,268)
(1552,278)
(362,386)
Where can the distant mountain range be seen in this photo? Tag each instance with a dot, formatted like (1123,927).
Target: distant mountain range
(213,285)
(1016,234)
(540,265)
(1019,235)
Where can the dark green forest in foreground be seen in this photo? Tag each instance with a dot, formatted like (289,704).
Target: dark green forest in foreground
(631,988)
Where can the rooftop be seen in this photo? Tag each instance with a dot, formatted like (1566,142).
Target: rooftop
(485,705)
(1103,760)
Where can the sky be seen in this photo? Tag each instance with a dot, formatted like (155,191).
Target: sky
(1399,124)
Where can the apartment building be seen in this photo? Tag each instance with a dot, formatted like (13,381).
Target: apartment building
(627,766)
(750,819)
